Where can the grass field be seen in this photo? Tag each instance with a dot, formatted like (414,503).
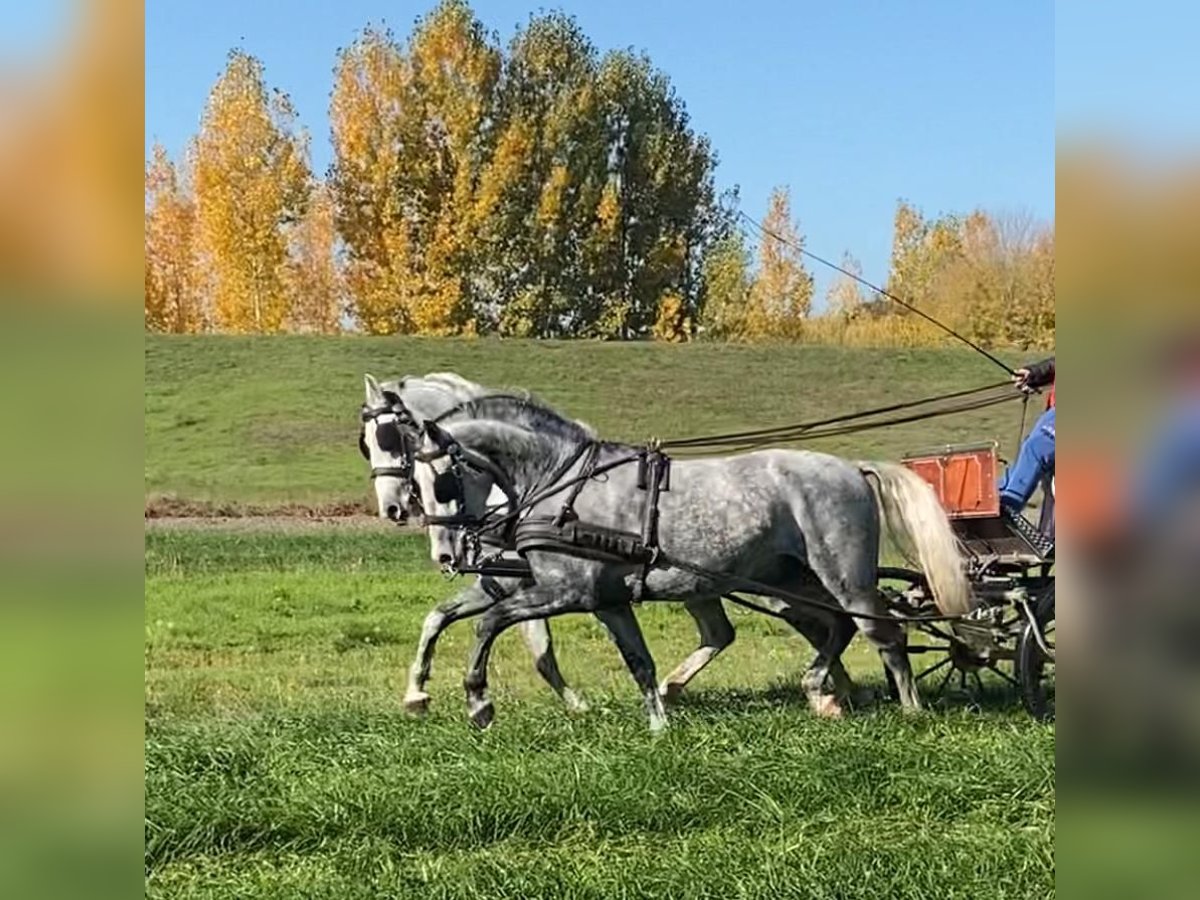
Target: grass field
(278,762)
(251,421)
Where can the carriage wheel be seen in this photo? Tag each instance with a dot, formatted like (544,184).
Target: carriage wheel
(942,663)
(1035,669)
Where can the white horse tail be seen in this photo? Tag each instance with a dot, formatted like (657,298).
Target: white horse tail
(916,520)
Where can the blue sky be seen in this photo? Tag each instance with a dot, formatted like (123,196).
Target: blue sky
(852,104)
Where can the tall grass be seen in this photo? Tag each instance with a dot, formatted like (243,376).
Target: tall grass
(279,765)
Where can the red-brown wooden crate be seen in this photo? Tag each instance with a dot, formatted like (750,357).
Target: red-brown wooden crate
(963,477)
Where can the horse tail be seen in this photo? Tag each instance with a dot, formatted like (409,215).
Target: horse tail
(917,522)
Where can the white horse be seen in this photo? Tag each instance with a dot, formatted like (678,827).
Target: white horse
(805,523)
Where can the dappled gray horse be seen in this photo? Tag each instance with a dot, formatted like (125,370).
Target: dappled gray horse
(806,523)
(391,414)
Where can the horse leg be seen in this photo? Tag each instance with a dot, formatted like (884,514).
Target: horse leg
(521,606)
(627,635)
(819,634)
(536,633)
(829,655)
(889,640)
(716,633)
(468,602)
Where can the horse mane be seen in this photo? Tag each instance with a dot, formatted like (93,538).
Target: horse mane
(454,382)
(523,411)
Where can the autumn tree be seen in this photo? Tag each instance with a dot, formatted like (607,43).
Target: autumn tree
(314,279)
(990,277)
(372,184)
(781,295)
(413,128)
(845,297)
(251,184)
(726,278)
(172,293)
(545,184)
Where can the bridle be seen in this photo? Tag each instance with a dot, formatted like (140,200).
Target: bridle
(397,436)
(449,487)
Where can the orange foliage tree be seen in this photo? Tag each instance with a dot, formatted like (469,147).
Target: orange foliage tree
(251,182)
(314,279)
(172,293)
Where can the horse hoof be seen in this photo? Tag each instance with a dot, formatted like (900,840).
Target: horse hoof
(482,715)
(670,691)
(826,707)
(416,703)
(575,703)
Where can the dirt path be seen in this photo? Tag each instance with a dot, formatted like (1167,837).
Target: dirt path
(277,523)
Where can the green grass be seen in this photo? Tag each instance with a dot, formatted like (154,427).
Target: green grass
(273,420)
(278,763)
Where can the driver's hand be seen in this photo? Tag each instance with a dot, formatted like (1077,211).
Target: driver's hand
(1021,380)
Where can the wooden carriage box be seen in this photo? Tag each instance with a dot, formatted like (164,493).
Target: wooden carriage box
(963,476)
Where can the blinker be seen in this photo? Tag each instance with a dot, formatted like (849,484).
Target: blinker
(389,437)
(447,487)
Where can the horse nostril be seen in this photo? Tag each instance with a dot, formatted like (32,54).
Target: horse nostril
(393,512)
(445,559)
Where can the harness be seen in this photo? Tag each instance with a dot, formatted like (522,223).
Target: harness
(566,534)
(563,532)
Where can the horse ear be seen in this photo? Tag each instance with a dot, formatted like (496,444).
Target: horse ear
(374,391)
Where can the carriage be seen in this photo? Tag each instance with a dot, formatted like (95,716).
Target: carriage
(997,624)
(1009,633)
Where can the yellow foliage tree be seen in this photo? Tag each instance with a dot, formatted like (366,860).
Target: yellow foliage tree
(411,138)
(251,183)
(672,322)
(373,187)
(172,294)
(781,295)
(845,296)
(314,280)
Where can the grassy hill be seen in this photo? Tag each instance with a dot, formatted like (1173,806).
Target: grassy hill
(268,421)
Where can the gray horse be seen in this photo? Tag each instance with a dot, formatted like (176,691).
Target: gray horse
(806,523)
(391,460)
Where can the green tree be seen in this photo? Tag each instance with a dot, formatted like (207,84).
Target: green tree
(726,277)
(550,106)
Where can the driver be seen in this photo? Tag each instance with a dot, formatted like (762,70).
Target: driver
(1035,460)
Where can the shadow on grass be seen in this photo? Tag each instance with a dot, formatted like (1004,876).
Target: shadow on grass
(870,695)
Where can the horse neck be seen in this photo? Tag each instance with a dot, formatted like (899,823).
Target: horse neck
(530,459)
